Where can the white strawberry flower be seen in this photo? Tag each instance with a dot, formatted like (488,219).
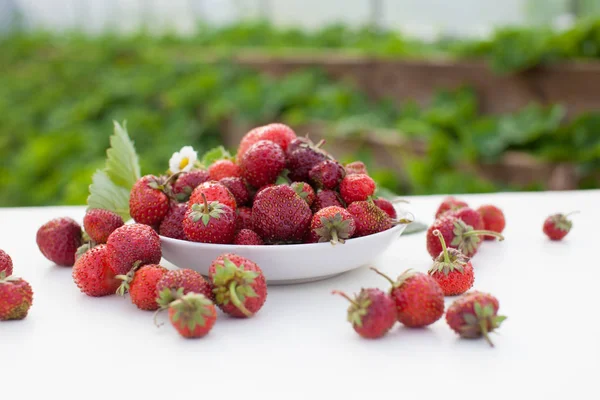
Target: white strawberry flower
(183,160)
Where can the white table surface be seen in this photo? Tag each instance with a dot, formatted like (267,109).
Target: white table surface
(300,344)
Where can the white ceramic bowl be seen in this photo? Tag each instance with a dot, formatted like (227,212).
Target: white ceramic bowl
(286,264)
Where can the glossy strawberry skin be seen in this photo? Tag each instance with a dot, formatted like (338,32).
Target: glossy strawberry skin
(247,237)
(262,163)
(329,214)
(493,219)
(327,198)
(146,204)
(142,289)
(130,244)
(199,330)
(188,279)
(219,230)
(93,275)
(386,206)
(214,191)
(552,230)
(305,191)
(327,174)
(16,298)
(239,190)
(172,225)
(187,182)
(6,264)
(244,218)
(468,216)
(456,282)
(99,224)
(369,218)
(419,301)
(446,226)
(278,133)
(59,239)
(449,203)
(466,305)
(356,187)
(380,317)
(224,169)
(302,158)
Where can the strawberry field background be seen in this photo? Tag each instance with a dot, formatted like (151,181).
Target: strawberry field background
(59,96)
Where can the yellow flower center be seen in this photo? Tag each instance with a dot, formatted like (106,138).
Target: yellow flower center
(184,162)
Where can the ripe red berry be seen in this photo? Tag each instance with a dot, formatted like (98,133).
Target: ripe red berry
(468,216)
(187,182)
(305,191)
(224,169)
(333,224)
(148,204)
(262,163)
(369,218)
(16,297)
(356,167)
(557,226)
(99,224)
(131,245)
(277,133)
(452,270)
(187,279)
(449,203)
(141,285)
(302,156)
(214,191)
(386,206)
(210,223)
(357,187)
(6,264)
(239,190)
(327,198)
(93,275)
(372,312)
(457,235)
(172,225)
(493,219)
(327,174)
(59,239)
(244,218)
(247,237)
(193,315)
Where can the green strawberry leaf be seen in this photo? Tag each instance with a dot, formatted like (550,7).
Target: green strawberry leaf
(105,194)
(216,154)
(122,164)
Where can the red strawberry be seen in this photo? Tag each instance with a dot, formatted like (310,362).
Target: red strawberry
(357,187)
(99,224)
(193,315)
(372,312)
(327,174)
(449,203)
(16,297)
(474,314)
(92,273)
(333,224)
(299,142)
(452,270)
(247,237)
(369,218)
(327,198)
(302,156)
(493,219)
(457,235)
(172,225)
(386,206)
(281,134)
(148,203)
(210,223)
(418,297)
(239,285)
(187,279)
(279,215)
(187,182)
(224,169)
(131,245)
(214,191)
(6,264)
(310,237)
(238,188)
(356,167)
(557,226)
(141,285)
(244,218)
(468,216)
(305,191)
(59,239)
(262,163)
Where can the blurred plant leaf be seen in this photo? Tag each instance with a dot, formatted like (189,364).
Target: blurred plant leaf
(122,163)
(105,194)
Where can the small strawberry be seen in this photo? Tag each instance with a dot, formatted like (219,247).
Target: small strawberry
(279,215)
(302,156)
(214,191)
(239,285)
(130,245)
(59,239)
(247,237)
(99,224)
(493,219)
(305,191)
(327,198)
(327,174)
(474,314)
(368,217)
(457,235)
(209,223)
(186,279)
(193,315)
(452,270)
(372,312)
(386,206)
(449,203)
(244,218)
(148,203)
(172,225)
(557,226)
(188,181)
(141,282)
(224,169)
(356,167)
(357,187)
(262,163)
(468,216)
(281,134)
(16,297)
(6,264)
(333,224)
(93,275)
(239,190)
(418,297)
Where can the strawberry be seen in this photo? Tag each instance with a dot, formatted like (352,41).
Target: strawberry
(172,225)
(327,174)
(333,224)
(368,217)
(305,191)
(493,219)
(457,235)
(244,218)
(452,270)
(262,163)
(418,297)
(281,134)
(356,187)
(214,191)
(356,167)
(141,285)
(148,203)
(299,142)
(59,239)
(386,206)
(449,203)
(130,245)
(6,264)
(247,237)
(209,223)
(16,297)
(93,275)
(372,312)
(279,215)
(239,190)
(239,285)
(193,315)
(224,169)
(310,237)
(474,314)
(187,182)
(468,216)
(302,156)
(327,198)
(186,279)
(99,224)
(557,226)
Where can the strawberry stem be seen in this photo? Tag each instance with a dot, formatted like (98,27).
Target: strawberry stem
(334,238)
(205,203)
(571,213)
(236,301)
(321,143)
(158,325)
(481,232)
(484,331)
(443,242)
(344,295)
(382,274)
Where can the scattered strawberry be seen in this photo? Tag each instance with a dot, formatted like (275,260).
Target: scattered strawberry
(238,188)
(356,187)
(327,174)
(279,215)
(239,285)
(474,314)
(141,285)
(372,312)
(356,167)
(247,237)
(386,206)
(59,239)
(281,134)
(457,235)
(333,224)
(16,297)
(224,169)
(210,223)
(262,163)
(493,219)
(305,191)
(6,264)
(214,191)
(468,216)
(244,218)
(449,203)
(557,226)
(193,315)
(418,297)
(130,245)
(303,157)
(327,198)
(187,182)
(172,225)
(187,279)
(452,270)
(99,224)
(368,217)
(93,275)
(148,203)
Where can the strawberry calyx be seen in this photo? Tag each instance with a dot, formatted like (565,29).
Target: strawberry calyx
(334,229)
(191,310)
(233,284)
(206,211)
(562,222)
(124,287)
(481,323)
(409,273)
(467,240)
(359,306)
(449,259)
(7,279)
